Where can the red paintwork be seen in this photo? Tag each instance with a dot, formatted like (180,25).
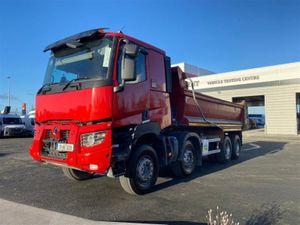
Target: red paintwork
(134,99)
(68,108)
(81,157)
(156,70)
(130,103)
(82,105)
(212,108)
(160,108)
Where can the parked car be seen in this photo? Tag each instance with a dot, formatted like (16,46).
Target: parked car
(29,122)
(11,125)
(259,118)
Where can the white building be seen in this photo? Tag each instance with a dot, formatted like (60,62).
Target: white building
(277,88)
(193,69)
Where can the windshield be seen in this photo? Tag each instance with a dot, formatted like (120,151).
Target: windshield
(7,120)
(91,60)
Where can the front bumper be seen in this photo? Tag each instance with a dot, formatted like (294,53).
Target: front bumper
(13,132)
(94,159)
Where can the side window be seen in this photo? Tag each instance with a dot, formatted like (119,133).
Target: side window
(140,67)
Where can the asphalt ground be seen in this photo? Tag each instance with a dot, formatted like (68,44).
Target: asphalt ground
(262,187)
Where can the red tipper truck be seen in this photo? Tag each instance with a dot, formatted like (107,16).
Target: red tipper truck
(111,104)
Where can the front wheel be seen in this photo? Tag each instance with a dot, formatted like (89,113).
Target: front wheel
(142,171)
(76,174)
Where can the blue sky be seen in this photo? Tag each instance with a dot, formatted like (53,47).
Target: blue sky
(219,35)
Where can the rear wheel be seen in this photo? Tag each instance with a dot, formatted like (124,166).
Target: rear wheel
(236,147)
(76,174)
(142,171)
(226,151)
(187,165)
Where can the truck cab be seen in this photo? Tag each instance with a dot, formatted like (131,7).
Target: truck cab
(97,83)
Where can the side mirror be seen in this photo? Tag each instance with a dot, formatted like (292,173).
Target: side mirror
(128,63)
(131,50)
(128,69)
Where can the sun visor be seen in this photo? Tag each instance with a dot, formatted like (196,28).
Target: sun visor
(83,36)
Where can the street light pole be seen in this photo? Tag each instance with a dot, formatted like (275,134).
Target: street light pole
(8,78)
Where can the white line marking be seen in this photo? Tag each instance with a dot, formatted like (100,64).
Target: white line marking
(254,146)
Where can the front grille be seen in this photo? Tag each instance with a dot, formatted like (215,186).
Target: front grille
(49,149)
(64,134)
(50,141)
(48,134)
(9,131)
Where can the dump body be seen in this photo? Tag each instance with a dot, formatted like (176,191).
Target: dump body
(208,111)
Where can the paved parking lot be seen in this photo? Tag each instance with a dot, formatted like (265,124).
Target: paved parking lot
(263,185)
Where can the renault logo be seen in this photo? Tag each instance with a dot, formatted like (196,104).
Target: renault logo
(55,131)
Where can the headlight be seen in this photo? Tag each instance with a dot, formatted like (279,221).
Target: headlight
(91,139)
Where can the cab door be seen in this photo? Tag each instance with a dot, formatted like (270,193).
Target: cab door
(131,105)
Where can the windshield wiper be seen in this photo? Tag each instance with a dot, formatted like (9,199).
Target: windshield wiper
(44,90)
(77,85)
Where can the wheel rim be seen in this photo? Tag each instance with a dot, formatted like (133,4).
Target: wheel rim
(227,151)
(188,161)
(145,169)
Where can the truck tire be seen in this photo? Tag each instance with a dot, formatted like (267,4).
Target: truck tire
(187,165)
(142,171)
(236,147)
(226,151)
(76,174)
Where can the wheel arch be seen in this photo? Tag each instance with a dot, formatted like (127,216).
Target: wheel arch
(233,134)
(150,134)
(196,141)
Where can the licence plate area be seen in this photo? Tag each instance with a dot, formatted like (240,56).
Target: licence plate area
(53,148)
(64,147)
